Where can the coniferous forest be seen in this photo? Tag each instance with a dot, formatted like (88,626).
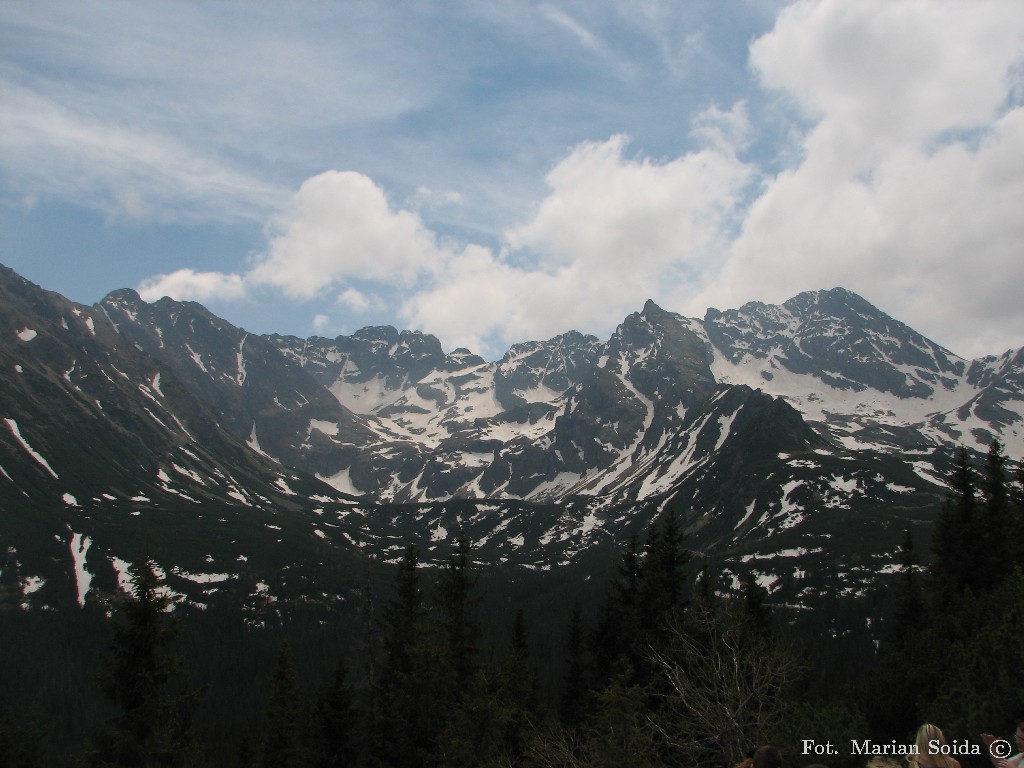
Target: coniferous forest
(661,664)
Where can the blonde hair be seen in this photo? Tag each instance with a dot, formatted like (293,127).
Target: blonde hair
(926,734)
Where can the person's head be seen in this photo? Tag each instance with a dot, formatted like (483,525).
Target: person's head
(767,757)
(927,733)
(1019,736)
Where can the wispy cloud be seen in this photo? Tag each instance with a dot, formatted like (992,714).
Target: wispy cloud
(908,173)
(173,112)
(580,32)
(485,189)
(123,170)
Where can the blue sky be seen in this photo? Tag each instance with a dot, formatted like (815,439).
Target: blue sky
(495,172)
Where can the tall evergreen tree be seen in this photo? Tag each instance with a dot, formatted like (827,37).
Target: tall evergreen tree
(910,605)
(142,678)
(619,733)
(573,703)
(618,622)
(994,563)
(333,738)
(1015,524)
(976,680)
(282,726)
(957,625)
(403,734)
(980,681)
(403,617)
(369,642)
(757,616)
(647,595)
(518,692)
(455,602)
(956,538)
(663,577)
(626,588)
(904,671)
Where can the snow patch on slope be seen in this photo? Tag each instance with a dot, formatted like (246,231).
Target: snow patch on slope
(83,579)
(13,425)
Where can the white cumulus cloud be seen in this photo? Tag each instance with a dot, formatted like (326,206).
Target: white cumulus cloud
(337,228)
(187,284)
(355,300)
(609,210)
(900,178)
(910,173)
(612,232)
(341,227)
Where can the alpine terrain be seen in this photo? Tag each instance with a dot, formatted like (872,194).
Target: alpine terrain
(796,442)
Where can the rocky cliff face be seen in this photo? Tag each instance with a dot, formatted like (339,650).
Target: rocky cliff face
(390,416)
(811,430)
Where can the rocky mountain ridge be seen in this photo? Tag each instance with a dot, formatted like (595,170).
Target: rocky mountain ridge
(791,439)
(390,415)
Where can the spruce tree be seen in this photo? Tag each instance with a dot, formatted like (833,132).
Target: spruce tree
(618,624)
(663,578)
(981,680)
(282,721)
(402,618)
(573,703)
(333,738)
(891,689)
(648,594)
(994,563)
(491,722)
(1015,523)
(403,735)
(518,697)
(956,538)
(626,589)
(910,605)
(369,649)
(455,601)
(141,677)
(756,615)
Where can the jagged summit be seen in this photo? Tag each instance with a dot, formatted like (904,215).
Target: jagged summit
(652,310)
(768,428)
(557,416)
(349,408)
(123,296)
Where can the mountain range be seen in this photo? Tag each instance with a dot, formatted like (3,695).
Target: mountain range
(797,441)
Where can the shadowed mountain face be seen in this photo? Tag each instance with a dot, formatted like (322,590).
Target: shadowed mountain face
(390,415)
(785,433)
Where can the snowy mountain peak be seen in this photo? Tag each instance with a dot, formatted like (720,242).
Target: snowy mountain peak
(389,414)
(769,425)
